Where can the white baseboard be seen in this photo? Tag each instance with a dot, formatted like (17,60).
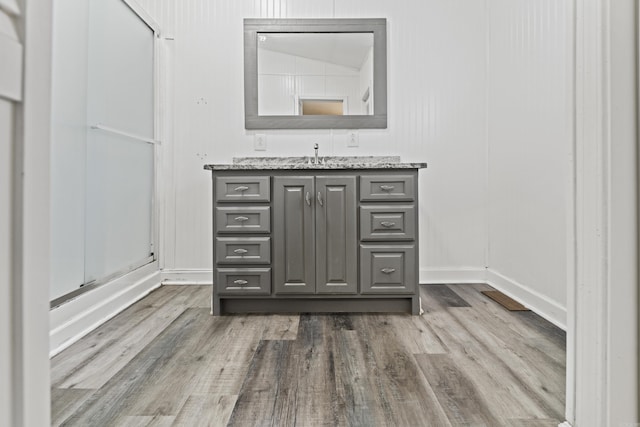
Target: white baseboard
(452,275)
(76,318)
(540,304)
(186,277)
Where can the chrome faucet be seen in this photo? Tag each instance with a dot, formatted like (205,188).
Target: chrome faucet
(315,147)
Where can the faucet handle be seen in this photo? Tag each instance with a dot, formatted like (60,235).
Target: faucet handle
(315,146)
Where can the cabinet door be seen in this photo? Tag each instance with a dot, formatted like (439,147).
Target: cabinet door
(293,235)
(336,235)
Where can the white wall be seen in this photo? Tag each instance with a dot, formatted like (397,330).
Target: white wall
(530,119)
(623,394)
(436,86)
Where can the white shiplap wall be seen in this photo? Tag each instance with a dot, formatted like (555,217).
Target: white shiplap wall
(480,90)
(530,116)
(437,103)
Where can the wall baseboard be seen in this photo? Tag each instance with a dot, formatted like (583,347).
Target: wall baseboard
(540,304)
(432,276)
(186,277)
(76,318)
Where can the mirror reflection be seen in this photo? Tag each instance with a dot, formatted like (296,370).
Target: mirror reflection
(315,74)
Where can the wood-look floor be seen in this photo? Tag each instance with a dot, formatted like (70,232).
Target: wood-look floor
(166,362)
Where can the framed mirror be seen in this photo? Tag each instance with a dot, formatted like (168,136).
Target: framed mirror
(315,73)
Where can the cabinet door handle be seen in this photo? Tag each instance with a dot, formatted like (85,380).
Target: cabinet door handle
(307,198)
(320,199)
(387,187)
(387,224)
(241,188)
(240,251)
(240,282)
(241,218)
(387,270)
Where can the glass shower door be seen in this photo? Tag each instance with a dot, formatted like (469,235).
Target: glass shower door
(120,145)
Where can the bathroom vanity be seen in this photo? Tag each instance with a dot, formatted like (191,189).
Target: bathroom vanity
(294,234)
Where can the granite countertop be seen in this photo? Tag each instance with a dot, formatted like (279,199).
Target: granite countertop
(328,162)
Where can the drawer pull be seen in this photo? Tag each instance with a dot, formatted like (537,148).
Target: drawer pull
(387,270)
(240,251)
(240,282)
(307,198)
(387,224)
(241,188)
(320,199)
(241,218)
(387,187)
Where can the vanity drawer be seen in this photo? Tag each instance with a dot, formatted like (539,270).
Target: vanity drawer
(387,269)
(243,189)
(375,188)
(387,222)
(243,250)
(239,219)
(235,281)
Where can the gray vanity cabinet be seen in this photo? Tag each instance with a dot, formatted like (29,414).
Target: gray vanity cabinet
(293,236)
(315,235)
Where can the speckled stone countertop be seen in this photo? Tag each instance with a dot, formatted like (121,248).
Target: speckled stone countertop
(328,162)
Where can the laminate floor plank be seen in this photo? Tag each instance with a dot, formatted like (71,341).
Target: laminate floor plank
(445,296)
(398,379)
(281,326)
(150,380)
(227,354)
(536,372)
(65,402)
(82,352)
(540,422)
(457,394)
(358,402)
(417,335)
(518,327)
(525,326)
(201,297)
(312,369)
(205,410)
(503,394)
(206,338)
(264,384)
(520,322)
(292,382)
(147,421)
(107,362)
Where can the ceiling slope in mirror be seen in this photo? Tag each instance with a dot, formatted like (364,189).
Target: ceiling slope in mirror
(315,73)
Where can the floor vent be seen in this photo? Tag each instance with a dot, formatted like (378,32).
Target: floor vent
(508,303)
